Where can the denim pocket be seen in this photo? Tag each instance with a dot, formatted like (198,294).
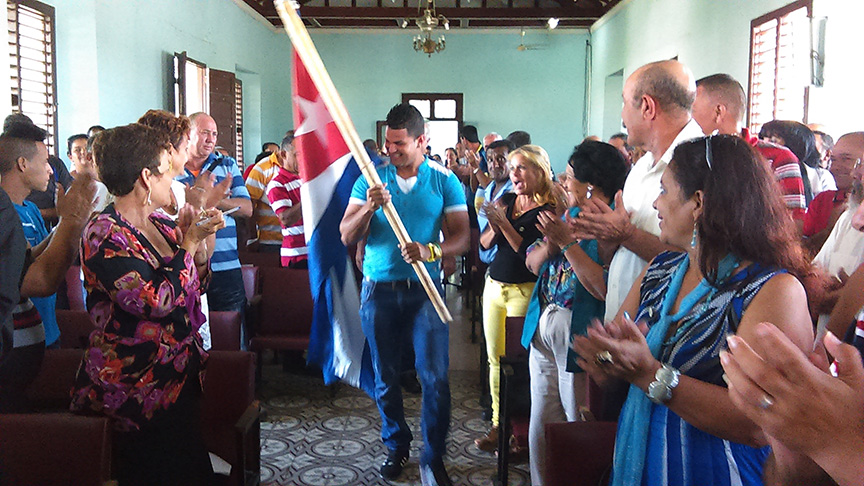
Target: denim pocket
(366,290)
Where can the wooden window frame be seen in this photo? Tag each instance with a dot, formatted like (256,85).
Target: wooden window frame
(51,63)
(775,15)
(238,119)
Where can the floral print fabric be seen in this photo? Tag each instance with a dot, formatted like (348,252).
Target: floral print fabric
(147,311)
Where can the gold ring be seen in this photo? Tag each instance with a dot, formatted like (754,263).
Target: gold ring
(603,357)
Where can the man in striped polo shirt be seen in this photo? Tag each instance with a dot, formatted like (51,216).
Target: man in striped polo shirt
(266,223)
(283,192)
(720,105)
(226,292)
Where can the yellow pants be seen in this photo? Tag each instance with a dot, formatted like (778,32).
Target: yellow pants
(500,301)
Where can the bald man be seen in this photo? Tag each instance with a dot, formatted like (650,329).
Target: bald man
(658,98)
(720,106)
(226,291)
(843,251)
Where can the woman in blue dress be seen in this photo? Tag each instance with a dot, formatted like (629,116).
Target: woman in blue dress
(719,204)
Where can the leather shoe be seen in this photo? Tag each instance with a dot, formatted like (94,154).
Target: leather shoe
(434,474)
(392,466)
(489,442)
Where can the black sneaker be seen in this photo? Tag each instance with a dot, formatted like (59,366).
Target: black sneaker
(392,467)
(434,474)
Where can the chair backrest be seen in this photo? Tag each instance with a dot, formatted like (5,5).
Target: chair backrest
(513,338)
(260,259)
(74,288)
(579,453)
(225,330)
(286,301)
(251,281)
(229,386)
(75,328)
(55,449)
(51,390)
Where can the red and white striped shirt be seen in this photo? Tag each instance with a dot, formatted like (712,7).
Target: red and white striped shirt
(284,192)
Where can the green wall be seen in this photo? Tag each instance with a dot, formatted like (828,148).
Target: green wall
(114,59)
(713,36)
(708,36)
(540,91)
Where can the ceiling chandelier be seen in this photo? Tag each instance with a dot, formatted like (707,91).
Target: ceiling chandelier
(427,23)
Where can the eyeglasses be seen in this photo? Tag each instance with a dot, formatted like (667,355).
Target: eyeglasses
(708,151)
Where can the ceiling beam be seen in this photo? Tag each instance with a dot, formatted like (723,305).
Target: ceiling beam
(455,13)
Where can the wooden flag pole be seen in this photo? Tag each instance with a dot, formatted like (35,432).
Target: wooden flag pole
(307,52)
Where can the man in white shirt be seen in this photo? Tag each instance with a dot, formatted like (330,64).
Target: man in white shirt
(658,99)
(843,251)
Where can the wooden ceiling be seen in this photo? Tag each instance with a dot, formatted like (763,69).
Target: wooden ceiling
(462,14)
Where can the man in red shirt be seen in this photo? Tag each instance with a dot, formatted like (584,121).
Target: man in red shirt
(283,191)
(720,106)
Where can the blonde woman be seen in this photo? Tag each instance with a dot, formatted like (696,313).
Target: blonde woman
(509,283)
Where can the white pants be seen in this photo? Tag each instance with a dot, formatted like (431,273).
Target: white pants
(553,388)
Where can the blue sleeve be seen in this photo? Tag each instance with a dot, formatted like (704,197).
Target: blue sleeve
(359,189)
(454,196)
(238,186)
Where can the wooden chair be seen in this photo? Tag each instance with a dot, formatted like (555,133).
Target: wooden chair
(55,449)
(231,415)
(225,330)
(75,328)
(579,453)
(285,311)
(515,395)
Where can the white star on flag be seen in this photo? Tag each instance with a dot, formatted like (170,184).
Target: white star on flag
(315,118)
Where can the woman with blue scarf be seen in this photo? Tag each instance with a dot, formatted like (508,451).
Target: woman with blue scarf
(721,205)
(569,293)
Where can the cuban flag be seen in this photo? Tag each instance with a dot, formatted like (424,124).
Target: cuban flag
(328,172)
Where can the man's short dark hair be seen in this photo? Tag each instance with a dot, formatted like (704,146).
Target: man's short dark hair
(502,143)
(19,140)
(621,135)
(287,141)
(728,90)
(264,146)
(16,118)
(519,138)
(73,139)
(95,128)
(658,83)
(121,153)
(406,116)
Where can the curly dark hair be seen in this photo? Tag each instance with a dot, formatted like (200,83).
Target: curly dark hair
(599,164)
(743,210)
(173,126)
(121,154)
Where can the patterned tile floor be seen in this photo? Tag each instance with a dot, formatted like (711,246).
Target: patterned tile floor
(317,435)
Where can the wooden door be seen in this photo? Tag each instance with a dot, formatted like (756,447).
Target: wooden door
(222,109)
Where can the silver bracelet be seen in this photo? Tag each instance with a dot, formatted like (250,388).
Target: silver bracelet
(665,380)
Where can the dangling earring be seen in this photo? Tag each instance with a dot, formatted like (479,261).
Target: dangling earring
(693,240)
(148,201)
(588,193)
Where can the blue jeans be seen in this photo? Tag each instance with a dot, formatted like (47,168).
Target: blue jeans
(227,293)
(389,311)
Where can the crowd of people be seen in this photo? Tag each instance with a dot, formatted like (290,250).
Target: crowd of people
(705,278)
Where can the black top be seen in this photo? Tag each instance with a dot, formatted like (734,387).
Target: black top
(508,266)
(13,250)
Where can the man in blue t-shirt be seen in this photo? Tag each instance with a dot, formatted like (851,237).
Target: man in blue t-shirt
(394,305)
(226,291)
